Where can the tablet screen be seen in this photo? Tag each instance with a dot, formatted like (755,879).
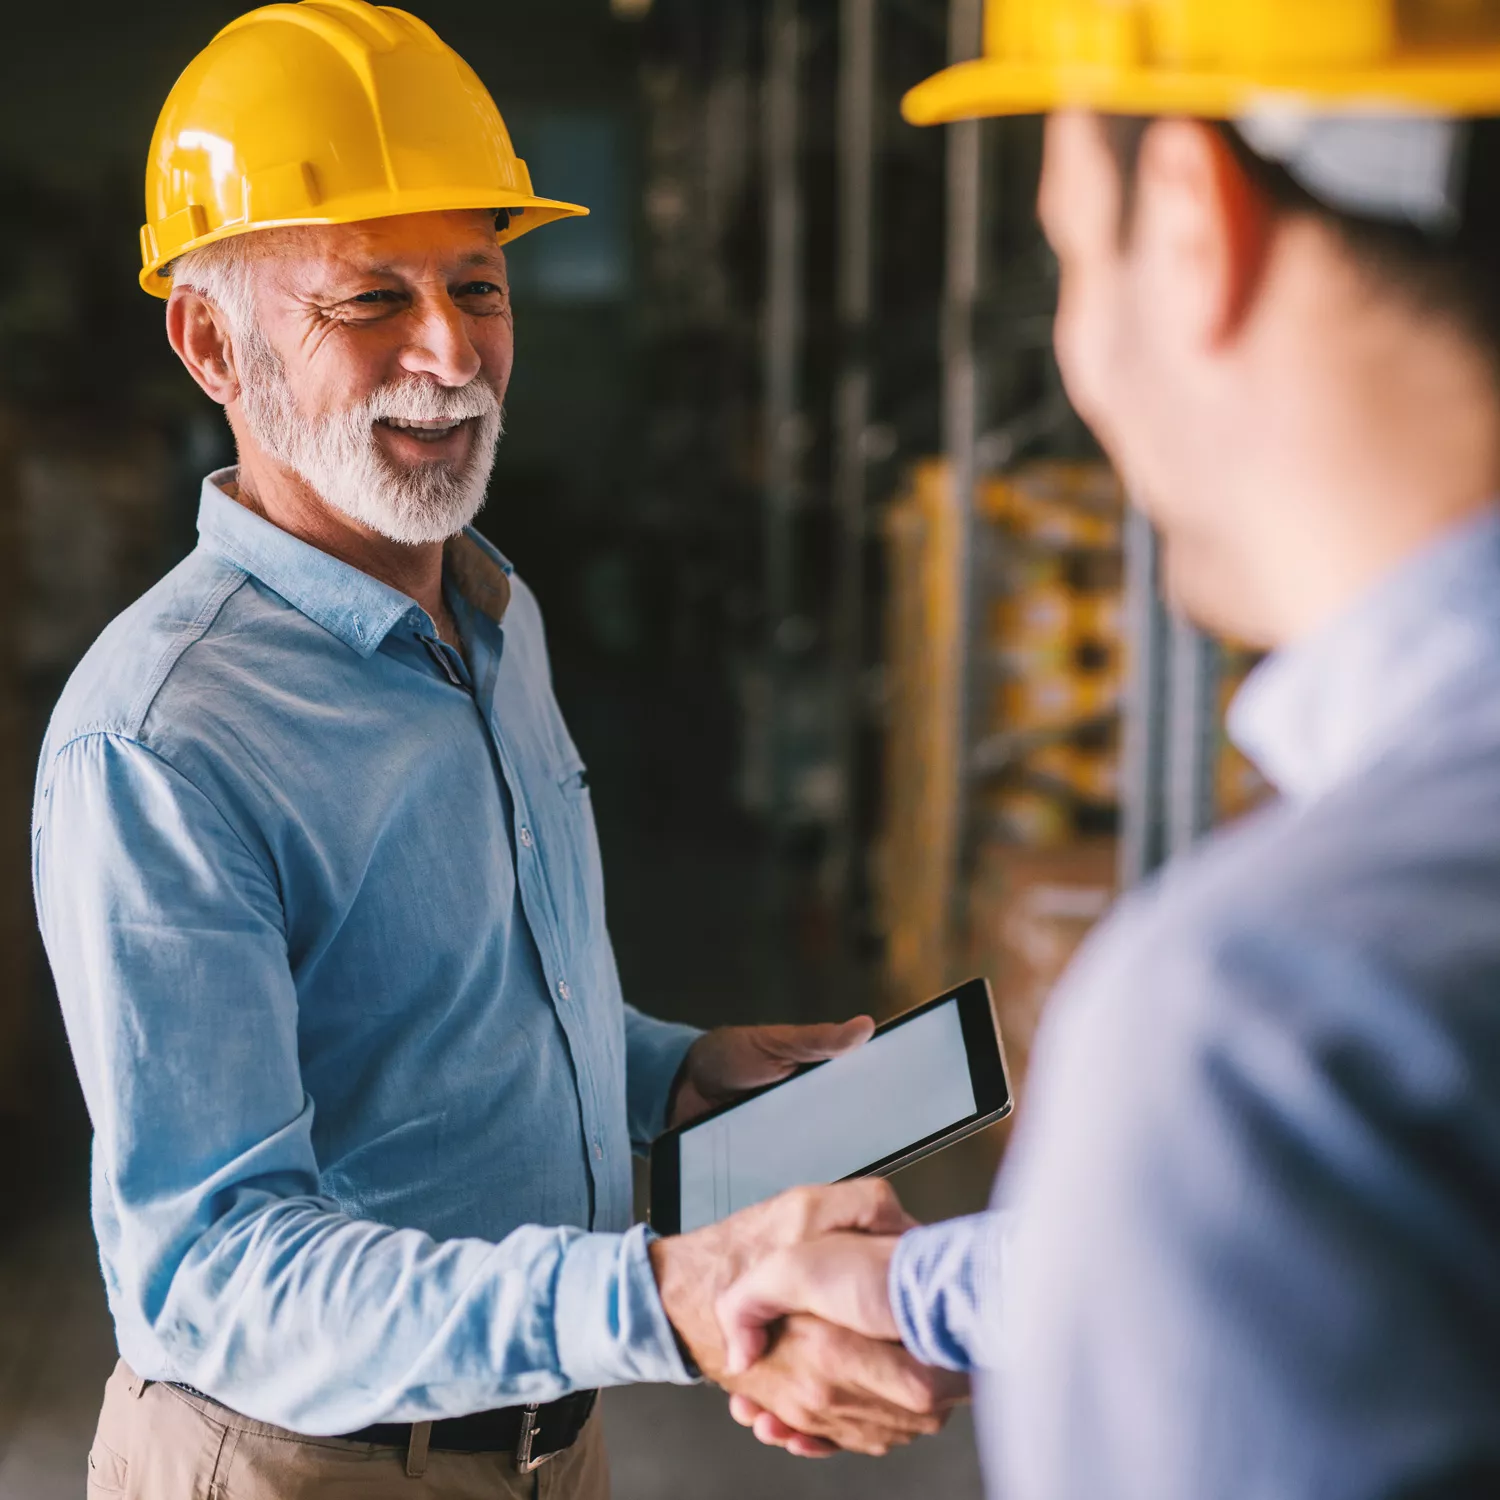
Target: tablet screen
(904,1085)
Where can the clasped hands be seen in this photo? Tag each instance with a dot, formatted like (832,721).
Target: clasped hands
(784,1304)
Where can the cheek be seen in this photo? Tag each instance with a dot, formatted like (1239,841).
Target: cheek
(1082,341)
(348,365)
(495,343)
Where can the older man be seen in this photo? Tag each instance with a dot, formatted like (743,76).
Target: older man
(1256,1188)
(317,871)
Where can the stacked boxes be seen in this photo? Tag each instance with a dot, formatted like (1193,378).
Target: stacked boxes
(1055,652)
(1045,718)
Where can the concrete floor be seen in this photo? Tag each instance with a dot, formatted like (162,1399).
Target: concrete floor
(56,1348)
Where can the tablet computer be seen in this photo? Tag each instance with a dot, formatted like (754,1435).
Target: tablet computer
(924,1080)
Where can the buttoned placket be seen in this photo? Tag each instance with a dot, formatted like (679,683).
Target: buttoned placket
(480,677)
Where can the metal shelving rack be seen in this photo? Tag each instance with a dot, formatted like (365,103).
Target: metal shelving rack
(1170,720)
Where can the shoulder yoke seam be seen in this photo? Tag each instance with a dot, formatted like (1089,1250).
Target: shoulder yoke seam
(186,637)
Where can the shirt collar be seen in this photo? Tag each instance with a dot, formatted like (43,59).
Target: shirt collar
(360,610)
(1318,712)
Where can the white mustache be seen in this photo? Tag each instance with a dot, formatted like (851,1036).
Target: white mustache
(417,400)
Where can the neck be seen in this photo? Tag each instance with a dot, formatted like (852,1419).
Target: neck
(286,501)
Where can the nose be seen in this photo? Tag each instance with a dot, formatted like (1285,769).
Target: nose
(440,345)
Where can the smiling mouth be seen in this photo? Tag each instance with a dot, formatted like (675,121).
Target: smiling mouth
(425,431)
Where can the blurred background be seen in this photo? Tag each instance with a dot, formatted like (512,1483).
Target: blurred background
(846,614)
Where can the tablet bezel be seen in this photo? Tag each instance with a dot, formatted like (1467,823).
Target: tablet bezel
(984,1049)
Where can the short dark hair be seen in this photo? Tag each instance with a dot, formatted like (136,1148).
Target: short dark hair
(1455,277)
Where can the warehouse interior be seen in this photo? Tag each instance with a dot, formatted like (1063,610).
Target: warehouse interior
(848,616)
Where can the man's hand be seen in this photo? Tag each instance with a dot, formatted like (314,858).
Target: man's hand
(733,1060)
(828,1387)
(841,1278)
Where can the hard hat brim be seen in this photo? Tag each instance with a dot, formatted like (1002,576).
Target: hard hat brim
(1460,85)
(536,213)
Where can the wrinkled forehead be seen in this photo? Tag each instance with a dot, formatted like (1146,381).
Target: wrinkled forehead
(407,247)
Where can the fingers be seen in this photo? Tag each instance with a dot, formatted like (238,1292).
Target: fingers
(794,1045)
(829,1384)
(889,1374)
(771,1290)
(772,1431)
(841,1278)
(743,1409)
(867,1204)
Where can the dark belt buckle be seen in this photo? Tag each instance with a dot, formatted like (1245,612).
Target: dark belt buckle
(525,1463)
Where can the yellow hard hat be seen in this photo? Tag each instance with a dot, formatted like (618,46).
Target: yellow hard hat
(1221,59)
(326,112)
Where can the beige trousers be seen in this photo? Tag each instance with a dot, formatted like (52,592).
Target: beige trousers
(158,1443)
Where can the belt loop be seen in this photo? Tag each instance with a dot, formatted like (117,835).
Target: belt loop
(416,1449)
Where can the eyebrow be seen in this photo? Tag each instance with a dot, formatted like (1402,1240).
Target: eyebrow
(484,259)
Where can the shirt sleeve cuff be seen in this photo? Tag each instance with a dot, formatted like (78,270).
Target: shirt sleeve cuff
(941,1293)
(654,1051)
(611,1328)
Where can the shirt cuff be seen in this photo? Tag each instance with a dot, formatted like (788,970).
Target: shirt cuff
(654,1051)
(611,1328)
(941,1294)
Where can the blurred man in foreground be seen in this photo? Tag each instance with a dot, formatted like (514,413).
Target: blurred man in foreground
(1256,1185)
(316,868)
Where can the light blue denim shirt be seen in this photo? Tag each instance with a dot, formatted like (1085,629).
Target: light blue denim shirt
(324,907)
(1253,1203)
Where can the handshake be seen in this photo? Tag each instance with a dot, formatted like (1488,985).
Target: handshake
(785,1305)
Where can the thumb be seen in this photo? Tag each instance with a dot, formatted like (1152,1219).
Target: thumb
(804,1044)
(769,1290)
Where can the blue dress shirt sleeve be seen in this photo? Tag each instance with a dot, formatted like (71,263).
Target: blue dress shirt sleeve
(654,1051)
(943,1284)
(165,932)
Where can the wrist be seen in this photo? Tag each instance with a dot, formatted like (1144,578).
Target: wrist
(682,1275)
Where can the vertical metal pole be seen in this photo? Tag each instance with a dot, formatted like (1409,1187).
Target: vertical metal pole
(852,400)
(1192,737)
(782,351)
(961,419)
(1143,716)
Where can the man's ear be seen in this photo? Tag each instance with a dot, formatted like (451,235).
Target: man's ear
(199,335)
(1205,227)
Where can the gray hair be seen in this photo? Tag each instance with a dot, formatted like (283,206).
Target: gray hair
(221,273)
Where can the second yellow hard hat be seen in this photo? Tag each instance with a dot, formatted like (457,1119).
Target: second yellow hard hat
(1220,59)
(326,112)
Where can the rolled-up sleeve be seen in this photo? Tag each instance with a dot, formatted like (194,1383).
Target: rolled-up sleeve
(165,932)
(944,1283)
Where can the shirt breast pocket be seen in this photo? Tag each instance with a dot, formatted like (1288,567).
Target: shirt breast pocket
(580,882)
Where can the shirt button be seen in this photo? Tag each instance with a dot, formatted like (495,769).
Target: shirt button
(526,839)
(598,1150)
(563,992)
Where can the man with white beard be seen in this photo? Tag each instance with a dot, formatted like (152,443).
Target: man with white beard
(317,872)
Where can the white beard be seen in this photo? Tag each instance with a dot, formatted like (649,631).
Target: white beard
(339,457)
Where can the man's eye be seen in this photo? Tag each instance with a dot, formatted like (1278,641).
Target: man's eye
(479,289)
(381,294)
